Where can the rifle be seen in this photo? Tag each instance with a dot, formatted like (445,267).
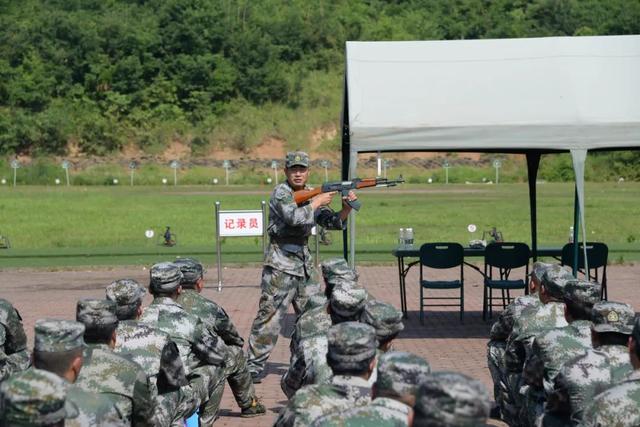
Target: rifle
(344,187)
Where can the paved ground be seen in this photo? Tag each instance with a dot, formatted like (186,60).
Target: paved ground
(443,340)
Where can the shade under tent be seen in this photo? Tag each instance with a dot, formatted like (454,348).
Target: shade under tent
(530,96)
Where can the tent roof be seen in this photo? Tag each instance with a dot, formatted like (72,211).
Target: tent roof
(512,95)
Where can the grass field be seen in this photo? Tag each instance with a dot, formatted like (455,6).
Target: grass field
(56,226)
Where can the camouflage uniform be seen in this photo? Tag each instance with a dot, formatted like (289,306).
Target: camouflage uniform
(201,350)
(619,406)
(155,352)
(553,348)
(57,336)
(308,364)
(34,398)
(14,356)
(501,330)
(532,321)
(350,345)
(288,274)
(399,375)
(108,373)
(582,378)
(451,399)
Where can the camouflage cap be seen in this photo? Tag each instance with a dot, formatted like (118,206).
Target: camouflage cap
(347,301)
(52,335)
(337,270)
(351,342)
(316,300)
(554,279)
(385,318)
(165,277)
(191,269)
(609,316)
(296,158)
(95,313)
(125,292)
(401,372)
(34,397)
(538,269)
(451,399)
(582,292)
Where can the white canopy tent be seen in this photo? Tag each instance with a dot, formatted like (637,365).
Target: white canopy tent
(530,96)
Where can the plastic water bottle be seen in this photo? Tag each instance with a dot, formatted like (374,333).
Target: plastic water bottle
(571,234)
(409,237)
(401,238)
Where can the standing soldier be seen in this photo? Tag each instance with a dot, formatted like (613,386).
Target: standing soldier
(106,372)
(209,312)
(14,356)
(289,274)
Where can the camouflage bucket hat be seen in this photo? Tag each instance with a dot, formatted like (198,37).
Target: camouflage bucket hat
(191,270)
(385,318)
(348,301)
(538,269)
(95,313)
(609,316)
(336,270)
(125,292)
(554,280)
(52,335)
(34,397)
(582,292)
(351,342)
(451,399)
(165,277)
(296,158)
(401,372)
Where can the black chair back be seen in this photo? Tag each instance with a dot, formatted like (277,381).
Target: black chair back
(597,254)
(441,255)
(507,255)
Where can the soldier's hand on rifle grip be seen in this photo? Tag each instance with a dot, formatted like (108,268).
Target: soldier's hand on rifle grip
(322,199)
(349,197)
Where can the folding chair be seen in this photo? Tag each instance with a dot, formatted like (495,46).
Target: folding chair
(597,255)
(502,258)
(441,256)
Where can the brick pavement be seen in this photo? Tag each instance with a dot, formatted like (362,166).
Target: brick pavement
(443,340)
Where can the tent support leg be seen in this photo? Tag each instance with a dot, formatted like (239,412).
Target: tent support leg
(533,162)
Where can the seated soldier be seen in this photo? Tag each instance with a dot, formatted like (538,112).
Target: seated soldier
(532,321)
(201,350)
(108,373)
(387,321)
(308,364)
(14,356)
(236,370)
(393,394)
(619,405)
(35,398)
(154,351)
(582,378)
(451,399)
(58,349)
(503,327)
(351,356)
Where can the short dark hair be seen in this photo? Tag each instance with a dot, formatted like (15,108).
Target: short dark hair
(350,368)
(99,334)
(57,362)
(128,311)
(388,339)
(636,347)
(612,338)
(579,311)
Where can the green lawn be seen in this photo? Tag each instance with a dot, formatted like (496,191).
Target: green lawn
(54,226)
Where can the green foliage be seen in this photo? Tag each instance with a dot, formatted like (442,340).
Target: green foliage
(105,74)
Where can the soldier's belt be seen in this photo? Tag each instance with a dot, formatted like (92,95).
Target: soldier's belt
(300,241)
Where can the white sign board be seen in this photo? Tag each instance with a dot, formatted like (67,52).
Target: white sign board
(241,223)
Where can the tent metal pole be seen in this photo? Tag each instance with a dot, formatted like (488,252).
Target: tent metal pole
(346,156)
(576,235)
(533,162)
